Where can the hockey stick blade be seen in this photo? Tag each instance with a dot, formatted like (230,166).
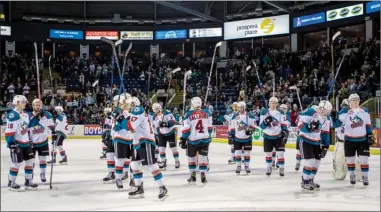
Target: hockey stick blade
(108,41)
(248,68)
(337,34)
(176,70)
(118,42)
(219,44)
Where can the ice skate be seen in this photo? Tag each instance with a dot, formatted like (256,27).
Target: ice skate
(43,177)
(63,161)
(365,180)
(52,161)
(163,194)
(268,171)
(13,186)
(163,165)
(192,179)
(110,178)
(238,170)
(297,166)
(306,186)
(314,185)
(119,184)
(352,179)
(281,172)
(103,156)
(203,178)
(136,192)
(177,164)
(231,161)
(29,185)
(247,169)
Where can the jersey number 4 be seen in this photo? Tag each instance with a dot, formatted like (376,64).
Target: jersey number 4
(199,127)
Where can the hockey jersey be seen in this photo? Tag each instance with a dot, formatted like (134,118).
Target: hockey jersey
(357,125)
(140,125)
(121,132)
(239,124)
(314,137)
(169,118)
(150,116)
(228,116)
(278,124)
(62,125)
(197,126)
(38,129)
(17,128)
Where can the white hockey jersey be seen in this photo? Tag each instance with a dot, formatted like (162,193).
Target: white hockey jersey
(150,116)
(121,132)
(107,125)
(62,125)
(278,124)
(197,126)
(357,125)
(17,128)
(239,124)
(38,129)
(169,118)
(139,124)
(314,137)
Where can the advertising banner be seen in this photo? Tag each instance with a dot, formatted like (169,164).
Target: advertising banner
(170,34)
(96,35)
(136,35)
(5,30)
(257,27)
(92,130)
(373,6)
(306,20)
(377,136)
(66,34)
(204,33)
(345,12)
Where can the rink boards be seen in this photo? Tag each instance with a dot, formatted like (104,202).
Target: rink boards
(219,135)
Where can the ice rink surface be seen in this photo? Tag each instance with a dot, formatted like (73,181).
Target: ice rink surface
(78,186)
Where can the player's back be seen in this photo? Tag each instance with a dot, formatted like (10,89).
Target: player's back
(198,123)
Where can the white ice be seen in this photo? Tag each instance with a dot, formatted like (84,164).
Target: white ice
(78,186)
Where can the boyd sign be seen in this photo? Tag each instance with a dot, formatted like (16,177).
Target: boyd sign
(92,130)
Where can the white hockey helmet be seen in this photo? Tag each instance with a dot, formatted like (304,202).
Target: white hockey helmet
(196,102)
(326,105)
(133,100)
(235,104)
(115,99)
(315,107)
(59,109)
(241,105)
(354,97)
(156,107)
(345,102)
(273,100)
(126,95)
(121,99)
(19,98)
(283,106)
(107,110)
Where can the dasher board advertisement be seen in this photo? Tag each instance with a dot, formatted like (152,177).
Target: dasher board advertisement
(136,35)
(345,12)
(257,27)
(96,35)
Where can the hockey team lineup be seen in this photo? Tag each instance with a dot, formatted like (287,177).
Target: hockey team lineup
(135,141)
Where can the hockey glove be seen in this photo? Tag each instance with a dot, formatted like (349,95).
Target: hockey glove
(54,137)
(39,115)
(115,114)
(268,120)
(120,118)
(313,125)
(13,145)
(249,132)
(230,140)
(324,151)
(163,124)
(370,140)
(183,143)
(334,115)
(284,136)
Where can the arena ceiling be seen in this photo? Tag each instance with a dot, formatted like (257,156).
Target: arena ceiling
(150,12)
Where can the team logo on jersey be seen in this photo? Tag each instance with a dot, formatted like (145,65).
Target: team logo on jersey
(356,122)
(11,115)
(24,128)
(38,129)
(242,126)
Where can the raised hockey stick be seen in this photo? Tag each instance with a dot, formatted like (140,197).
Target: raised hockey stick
(124,64)
(189,72)
(297,94)
(52,164)
(169,86)
(337,34)
(51,79)
(37,71)
(211,70)
(259,82)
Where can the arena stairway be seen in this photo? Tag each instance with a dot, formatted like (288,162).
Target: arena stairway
(178,99)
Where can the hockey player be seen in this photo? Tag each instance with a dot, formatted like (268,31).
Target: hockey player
(106,126)
(59,136)
(196,137)
(275,133)
(17,138)
(314,125)
(241,129)
(151,118)
(39,122)
(164,125)
(358,136)
(144,150)
(107,142)
(122,141)
(286,113)
(228,117)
